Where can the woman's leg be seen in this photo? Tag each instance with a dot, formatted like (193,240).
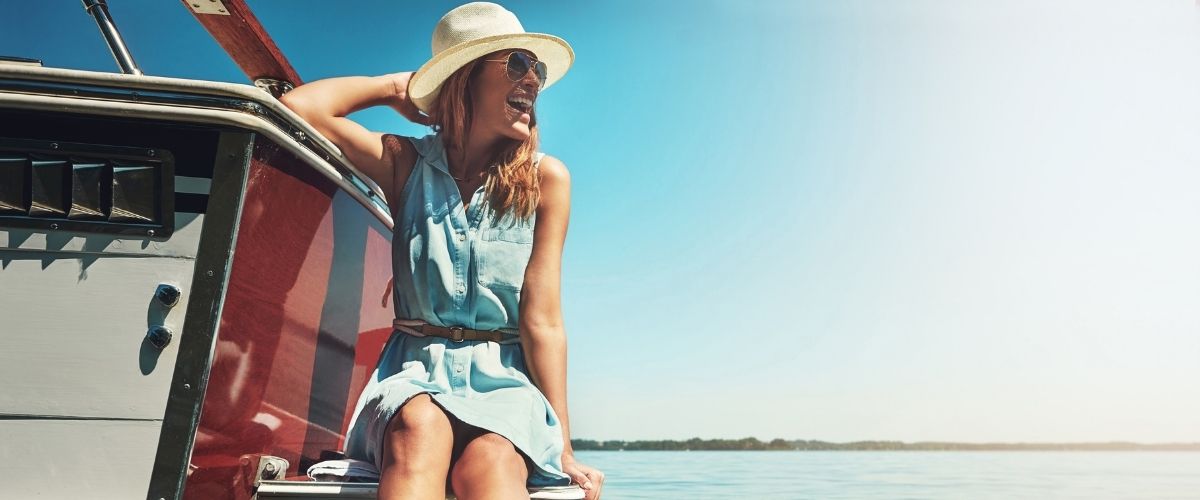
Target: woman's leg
(416,452)
(490,467)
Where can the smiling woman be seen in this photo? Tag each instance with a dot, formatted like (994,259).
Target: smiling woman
(469,393)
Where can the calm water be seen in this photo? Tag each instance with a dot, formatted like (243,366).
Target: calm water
(897,475)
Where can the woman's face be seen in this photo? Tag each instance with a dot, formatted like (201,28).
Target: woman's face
(500,104)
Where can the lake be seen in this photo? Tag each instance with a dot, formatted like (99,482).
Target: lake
(897,474)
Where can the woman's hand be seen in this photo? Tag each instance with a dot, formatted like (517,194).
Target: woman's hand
(590,479)
(402,103)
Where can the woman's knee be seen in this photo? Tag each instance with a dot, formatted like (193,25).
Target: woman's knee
(490,453)
(422,415)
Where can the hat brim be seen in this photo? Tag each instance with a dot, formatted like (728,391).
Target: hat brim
(423,87)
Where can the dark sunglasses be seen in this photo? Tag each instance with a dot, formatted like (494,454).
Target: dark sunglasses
(519,64)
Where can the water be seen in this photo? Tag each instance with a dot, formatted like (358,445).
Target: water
(896,475)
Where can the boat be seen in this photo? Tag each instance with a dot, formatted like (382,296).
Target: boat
(194,283)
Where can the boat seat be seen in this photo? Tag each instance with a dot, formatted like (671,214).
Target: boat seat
(337,477)
(319,490)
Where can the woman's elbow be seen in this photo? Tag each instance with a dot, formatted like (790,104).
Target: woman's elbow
(293,102)
(543,331)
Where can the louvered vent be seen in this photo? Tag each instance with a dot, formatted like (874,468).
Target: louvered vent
(91,188)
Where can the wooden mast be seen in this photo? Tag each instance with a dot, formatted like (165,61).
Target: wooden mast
(235,28)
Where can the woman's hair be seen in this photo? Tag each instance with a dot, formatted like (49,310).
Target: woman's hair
(512,182)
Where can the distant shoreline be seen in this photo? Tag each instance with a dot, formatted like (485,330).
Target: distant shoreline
(753,444)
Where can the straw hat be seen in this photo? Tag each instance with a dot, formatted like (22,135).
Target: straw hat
(476,29)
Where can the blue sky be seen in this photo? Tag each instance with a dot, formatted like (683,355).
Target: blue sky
(834,220)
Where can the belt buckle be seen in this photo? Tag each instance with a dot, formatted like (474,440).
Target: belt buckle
(456,333)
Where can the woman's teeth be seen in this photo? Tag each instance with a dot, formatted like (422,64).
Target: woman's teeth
(520,104)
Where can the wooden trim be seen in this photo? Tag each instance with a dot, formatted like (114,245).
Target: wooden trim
(247,42)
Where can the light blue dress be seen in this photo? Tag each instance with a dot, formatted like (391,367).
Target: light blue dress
(456,267)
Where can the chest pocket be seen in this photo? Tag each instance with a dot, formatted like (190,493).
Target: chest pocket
(503,254)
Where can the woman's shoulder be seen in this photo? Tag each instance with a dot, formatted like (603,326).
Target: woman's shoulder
(552,169)
(423,146)
(409,151)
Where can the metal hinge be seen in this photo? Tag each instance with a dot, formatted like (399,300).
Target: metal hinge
(270,468)
(215,7)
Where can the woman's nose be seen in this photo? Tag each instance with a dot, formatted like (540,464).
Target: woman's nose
(531,80)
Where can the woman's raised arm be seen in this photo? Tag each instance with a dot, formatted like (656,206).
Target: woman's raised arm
(324,104)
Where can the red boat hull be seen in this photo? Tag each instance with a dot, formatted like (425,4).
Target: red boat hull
(305,316)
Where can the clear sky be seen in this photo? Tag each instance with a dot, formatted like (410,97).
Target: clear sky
(922,220)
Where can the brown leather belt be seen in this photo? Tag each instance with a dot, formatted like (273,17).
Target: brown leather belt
(455,333)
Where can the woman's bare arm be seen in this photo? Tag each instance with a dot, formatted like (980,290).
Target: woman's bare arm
(324,104)
(543,338)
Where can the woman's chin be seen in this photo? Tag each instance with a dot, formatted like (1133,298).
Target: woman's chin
(519,125)
(518,131)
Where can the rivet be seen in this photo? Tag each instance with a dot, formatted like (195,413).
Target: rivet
(196,5)
(220,10)
(159,336)
(187,387)
(149,232)
(150,152)
(54,145)
(53,226)
(167,294)
(208,273)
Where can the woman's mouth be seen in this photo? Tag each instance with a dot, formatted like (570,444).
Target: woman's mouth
(520,103)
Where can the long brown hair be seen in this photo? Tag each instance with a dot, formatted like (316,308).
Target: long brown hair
(512,181)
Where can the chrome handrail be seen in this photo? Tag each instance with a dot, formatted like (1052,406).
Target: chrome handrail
(99,10)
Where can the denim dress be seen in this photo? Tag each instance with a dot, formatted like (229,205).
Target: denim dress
(458,267)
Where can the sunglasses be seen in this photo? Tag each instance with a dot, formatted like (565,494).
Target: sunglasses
(519,64)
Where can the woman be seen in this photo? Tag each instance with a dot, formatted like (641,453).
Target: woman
(470,390)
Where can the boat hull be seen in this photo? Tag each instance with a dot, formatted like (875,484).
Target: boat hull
(280,253)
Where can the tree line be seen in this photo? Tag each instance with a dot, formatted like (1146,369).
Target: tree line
(753,444)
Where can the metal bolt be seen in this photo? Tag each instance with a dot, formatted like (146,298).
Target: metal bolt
(196,5)
(54,145)
(187,387)
(208,273)
(220,10)
(53,226)
(149,232)
(269,470)
(159,336)
(150,152)
(167,295)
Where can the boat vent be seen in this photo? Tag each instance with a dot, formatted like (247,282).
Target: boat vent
(86,188)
